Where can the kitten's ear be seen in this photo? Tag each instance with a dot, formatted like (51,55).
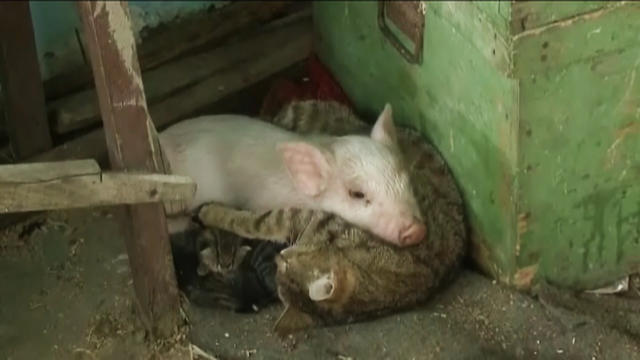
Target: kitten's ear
(202,270)
(307,165)
(240,254)
(384,131)
(208,262)
(292,320)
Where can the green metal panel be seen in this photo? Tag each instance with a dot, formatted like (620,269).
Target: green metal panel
(586,37)
(533,14)
(579,147)
(536,107)
(460,97)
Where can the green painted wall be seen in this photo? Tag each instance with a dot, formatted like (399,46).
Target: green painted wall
(579,144)
(460,97)
(537,114)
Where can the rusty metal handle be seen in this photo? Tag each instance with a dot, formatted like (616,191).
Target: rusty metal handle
(415,56)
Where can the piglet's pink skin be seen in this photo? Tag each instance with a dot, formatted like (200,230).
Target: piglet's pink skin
(253,165)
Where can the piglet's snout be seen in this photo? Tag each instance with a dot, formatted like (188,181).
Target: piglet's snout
(412,234)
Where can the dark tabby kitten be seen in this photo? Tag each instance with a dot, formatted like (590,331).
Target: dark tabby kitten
(216,268)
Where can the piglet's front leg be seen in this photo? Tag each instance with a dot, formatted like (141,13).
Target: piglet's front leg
(282,225)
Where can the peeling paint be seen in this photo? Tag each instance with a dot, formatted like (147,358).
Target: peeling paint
(570,21)
(612,151)
(579,176)
(121,37)
(122,34)
(524,277)
(523,222)
(451,140)
(594,31)
(629,99)
(526,141)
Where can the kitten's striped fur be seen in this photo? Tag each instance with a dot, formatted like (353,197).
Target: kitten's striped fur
(217,268)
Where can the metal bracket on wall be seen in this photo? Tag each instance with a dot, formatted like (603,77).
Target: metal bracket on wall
(409,18)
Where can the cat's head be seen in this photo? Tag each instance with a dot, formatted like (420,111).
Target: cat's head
(349,278)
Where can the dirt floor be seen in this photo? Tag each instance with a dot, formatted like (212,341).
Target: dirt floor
(66,294)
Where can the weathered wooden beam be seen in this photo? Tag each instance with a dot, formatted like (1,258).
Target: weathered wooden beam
(81,109)
(24,104)
(81,183)
(293,47)
(171,40)
(132,145)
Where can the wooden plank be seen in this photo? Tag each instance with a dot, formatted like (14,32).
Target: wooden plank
(81,183)
(190,101)
(171,40)
(24,103)
(46,171)
(92,144)
(81,109)
(293,48)
(133,145)
(218,26)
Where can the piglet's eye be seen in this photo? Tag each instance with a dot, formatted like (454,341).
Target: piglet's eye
(356,194)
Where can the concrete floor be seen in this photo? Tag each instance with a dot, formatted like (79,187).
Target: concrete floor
(66,294)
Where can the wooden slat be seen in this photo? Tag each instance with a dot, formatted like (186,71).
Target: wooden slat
(81,183)
(169,41)
(81,109)
(221,24)
(46,171)
(132,145)
(27,124)
(294,47)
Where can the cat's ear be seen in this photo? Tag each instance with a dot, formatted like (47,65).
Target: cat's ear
(208,261)
(322,288)
(240,254)
(202,270)
(292,320)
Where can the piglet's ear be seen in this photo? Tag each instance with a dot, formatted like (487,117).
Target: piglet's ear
(384,131)
(307,166)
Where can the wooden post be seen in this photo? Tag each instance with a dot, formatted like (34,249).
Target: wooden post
(22,89)
(132,145)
